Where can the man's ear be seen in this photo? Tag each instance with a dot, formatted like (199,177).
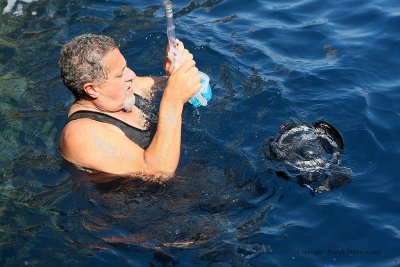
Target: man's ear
(91,90)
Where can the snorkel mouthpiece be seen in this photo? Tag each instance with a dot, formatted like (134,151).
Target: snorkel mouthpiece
(202,97)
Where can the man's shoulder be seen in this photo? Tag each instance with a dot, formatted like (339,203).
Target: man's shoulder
(86,130)
(75,137)
(86,142)
(98,146)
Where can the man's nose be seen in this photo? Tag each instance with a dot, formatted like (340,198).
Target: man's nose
(129,75)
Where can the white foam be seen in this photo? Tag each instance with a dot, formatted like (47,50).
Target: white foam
(11,4)
(9,7)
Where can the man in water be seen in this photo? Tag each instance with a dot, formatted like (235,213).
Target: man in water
(107,130)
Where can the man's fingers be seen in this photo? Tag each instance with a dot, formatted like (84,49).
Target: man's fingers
(194,74)
(187,65)
(180,45)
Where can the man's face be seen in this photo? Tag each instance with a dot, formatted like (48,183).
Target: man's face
(116,92)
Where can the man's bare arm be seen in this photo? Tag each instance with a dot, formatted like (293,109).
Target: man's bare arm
(149,85)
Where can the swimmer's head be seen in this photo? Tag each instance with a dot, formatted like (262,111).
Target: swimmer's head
(81,61)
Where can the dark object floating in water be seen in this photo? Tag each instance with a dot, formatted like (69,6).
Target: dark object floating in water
(310,152)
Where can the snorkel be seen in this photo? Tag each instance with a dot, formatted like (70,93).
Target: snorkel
(202,97)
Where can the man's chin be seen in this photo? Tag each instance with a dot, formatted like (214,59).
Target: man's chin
(129,103)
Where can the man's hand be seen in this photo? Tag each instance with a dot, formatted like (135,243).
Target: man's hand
(183,83)
(168,66)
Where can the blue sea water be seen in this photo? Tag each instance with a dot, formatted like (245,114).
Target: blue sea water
(270,63)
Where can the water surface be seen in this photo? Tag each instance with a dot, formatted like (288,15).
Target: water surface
(270,63)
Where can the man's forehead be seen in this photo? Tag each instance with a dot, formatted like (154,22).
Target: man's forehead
(114,61)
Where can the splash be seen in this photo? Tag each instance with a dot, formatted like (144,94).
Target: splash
(312,153)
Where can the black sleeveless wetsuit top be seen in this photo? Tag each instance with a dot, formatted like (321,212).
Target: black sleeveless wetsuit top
(138,136)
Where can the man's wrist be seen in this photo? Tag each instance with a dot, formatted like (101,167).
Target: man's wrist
(172,103)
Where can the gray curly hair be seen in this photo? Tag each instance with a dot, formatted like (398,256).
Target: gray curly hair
(80,61)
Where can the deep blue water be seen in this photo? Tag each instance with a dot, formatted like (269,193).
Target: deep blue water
(270,63)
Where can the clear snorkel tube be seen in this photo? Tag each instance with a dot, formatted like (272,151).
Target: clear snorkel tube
(204,94)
